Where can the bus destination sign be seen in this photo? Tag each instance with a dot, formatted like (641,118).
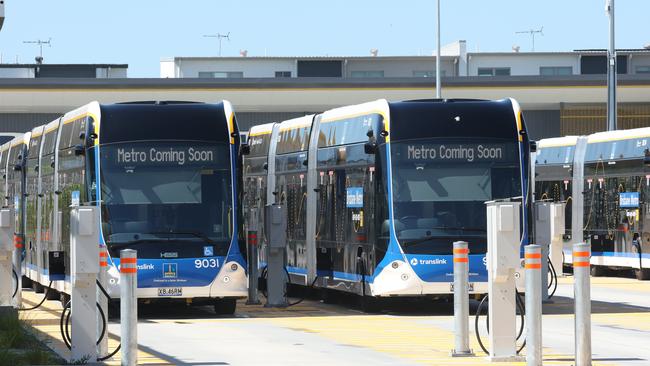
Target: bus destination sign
(455,153)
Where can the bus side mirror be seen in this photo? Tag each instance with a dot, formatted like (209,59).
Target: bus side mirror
(533,146)
(370,147)
(79,150)
(245,149)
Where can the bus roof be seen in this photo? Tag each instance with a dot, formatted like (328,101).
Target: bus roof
(619,135)
(557,142)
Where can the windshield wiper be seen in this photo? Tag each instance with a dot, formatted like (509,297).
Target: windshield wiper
(188,232)
(122,244)
(459,228)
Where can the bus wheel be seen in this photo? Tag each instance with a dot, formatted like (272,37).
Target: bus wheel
(642,274)
(329,296)
(27,282)
(37,287)
(598,271)
(225,306)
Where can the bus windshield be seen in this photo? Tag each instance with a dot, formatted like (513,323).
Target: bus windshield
(166,191)
(440,187)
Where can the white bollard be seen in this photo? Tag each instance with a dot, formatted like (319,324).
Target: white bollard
(582,296)
(461,300)
(534,258)
(17,264)
(129,306)
(102,347)
(6,249)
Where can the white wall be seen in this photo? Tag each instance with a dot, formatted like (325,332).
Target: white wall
(17,73)
(252,68)
(167,68)
(400,68)
(637,60)
(520,63)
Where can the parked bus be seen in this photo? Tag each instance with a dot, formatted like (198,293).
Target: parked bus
(377,193)
(165,179)
(610,175)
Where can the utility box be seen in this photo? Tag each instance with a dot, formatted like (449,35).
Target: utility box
(84,241)
(275,221)
(504,244)
(276,225)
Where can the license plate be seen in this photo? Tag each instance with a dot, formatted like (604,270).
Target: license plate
(170,291)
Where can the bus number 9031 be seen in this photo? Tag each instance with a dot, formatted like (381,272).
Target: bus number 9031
(206,263)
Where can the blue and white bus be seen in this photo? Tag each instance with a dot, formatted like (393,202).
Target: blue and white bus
(377,193)
(605,180)
(165,178)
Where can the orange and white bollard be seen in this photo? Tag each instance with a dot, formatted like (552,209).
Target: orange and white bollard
(533,266)
(461,300)
(582,295)
(129,306)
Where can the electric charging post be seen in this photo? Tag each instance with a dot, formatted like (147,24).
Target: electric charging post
(18,266)
(549,227)
(253,249)
(503,258)
(84,221)
(276,228)
(6,276)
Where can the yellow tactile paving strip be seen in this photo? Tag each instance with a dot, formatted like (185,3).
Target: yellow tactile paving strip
(45,322)
(401,337)
(627,284)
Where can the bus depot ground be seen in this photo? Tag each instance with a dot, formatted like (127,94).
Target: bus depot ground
(314,333)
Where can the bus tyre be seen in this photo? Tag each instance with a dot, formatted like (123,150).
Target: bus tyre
(225,306)
(27,282)
(328,296)
(642,274)
(598,271)
(37,287)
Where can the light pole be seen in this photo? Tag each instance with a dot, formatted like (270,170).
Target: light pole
(438,92)
(611,70)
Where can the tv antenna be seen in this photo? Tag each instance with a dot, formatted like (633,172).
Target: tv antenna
(40,43)
(220,37)
(532,33)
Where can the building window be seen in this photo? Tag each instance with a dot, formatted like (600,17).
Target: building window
(493,71)
(427,73)
(221,74)
(283,74)
(555,70)
(367,74)
(643,69)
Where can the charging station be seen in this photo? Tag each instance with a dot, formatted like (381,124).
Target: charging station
(549,228)
(6,250)
(503,263)
(276,229)
(84,269)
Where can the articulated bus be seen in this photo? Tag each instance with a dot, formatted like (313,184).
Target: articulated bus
(165,179)
(607,180)
(377,193)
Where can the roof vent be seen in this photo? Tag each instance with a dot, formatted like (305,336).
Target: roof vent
(646,46)
(374,52)
(515,48)
(243,53)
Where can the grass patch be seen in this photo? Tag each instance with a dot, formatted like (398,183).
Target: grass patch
(19,347)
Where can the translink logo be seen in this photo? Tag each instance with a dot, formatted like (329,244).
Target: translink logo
(415,261)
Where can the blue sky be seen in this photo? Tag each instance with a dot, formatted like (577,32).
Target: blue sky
(140,32)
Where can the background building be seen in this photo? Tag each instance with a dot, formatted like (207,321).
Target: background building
(561,92)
